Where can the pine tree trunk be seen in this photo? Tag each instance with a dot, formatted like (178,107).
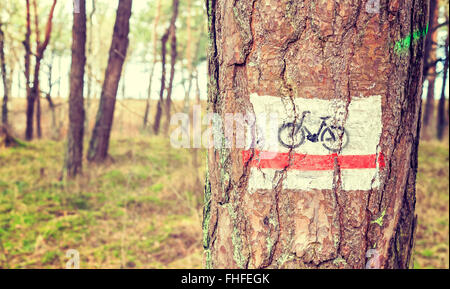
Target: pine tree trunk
(98,147)
(38,112)
(442,119)
(157,122)
(173,60)
(188,56)
(430,102)
(74,157)
(430,67)
(170,32)
(322,52)
(54,134)
(155,60)
(159,108)
(149,94)
(33,97)
(36,90)
(30,101)
(89,68)
(51,105)
(4,78)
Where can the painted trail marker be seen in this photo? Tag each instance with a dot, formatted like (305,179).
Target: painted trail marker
(313,135)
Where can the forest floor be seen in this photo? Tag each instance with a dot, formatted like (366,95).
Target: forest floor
(144,209)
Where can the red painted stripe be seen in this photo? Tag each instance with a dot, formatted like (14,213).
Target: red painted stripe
(305,162)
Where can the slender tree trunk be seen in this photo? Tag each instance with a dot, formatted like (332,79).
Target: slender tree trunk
(188,56)
(173,60)
(98,146)
(157,123)
(4,128)
(30,100)
(432,22)
(19,81)
(4,78)
(10,74)
(193,69)
(430,66)
(59,75)
(197,98)
(152,70)
(74,157)
(34,98)
(38,112)
(442,119)
(430,102)
(170,32)
(298,56)
(89,68)
(197,86)
(51,105)
(48,96)
(36,90)
(149,93)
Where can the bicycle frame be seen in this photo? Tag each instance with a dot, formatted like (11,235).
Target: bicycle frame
(310,136)
(320,135)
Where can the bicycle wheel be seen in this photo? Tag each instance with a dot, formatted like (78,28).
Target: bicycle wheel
(331,140)
(290,136)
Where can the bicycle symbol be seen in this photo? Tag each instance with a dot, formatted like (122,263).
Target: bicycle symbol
(292,135)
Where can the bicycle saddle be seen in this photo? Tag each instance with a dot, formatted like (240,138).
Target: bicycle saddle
(325,117)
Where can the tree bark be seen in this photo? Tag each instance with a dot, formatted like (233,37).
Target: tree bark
(74,157)
(89,68)
(149,94)
(324,52)
(30,101)
(430,38)
(37,92)
(173,60)
(34,94)
(48,96)
(155,60)
(98,147)
(157,123)
(4,78)
(430,66)
(8,139)
(442,119)
(188,56)
(164,39)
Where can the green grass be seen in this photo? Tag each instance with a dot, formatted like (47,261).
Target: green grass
(432,206)
(126,214)
(144,209)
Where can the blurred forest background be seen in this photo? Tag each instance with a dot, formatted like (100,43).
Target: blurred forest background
(138,202)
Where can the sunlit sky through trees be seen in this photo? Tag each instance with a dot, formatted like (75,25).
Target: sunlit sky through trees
(136,76)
